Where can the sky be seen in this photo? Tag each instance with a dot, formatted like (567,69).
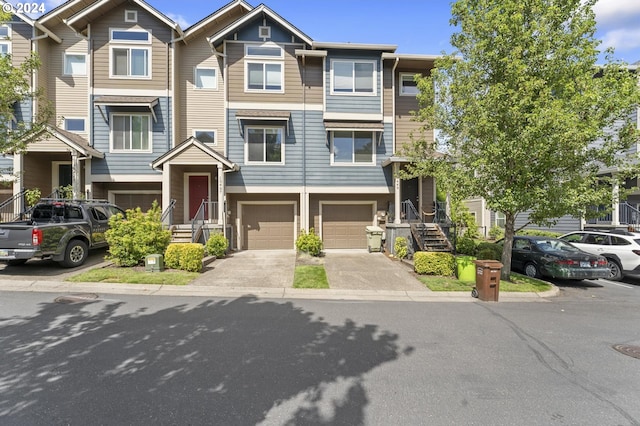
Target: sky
(415,26)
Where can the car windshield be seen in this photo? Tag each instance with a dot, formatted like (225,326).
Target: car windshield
(554,245)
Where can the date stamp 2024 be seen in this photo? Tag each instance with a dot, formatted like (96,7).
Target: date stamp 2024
(27,8)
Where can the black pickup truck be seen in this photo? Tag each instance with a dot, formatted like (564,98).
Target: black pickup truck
(63,230)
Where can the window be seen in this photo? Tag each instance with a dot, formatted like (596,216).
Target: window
(264,75)
(74,124)
(205,78)
(205,136)
(353,77)
(131,133)
(500,219)
(350,147)
(131,36)
(5,48)
(130,62)
(408,86)
(264,145)
(5,32)
(75,64)
(130,16)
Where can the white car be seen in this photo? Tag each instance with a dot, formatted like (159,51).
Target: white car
(621,248)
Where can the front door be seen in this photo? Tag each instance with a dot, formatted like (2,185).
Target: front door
(198,191)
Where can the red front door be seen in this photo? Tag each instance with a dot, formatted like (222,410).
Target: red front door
(198,191)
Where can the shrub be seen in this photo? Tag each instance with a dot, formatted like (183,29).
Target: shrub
(466,245)
(32,196)
(434,263)
(132,238)
(309,242)
(184,256)
(539,233)
(496,232)
(489,251)
(401,247)
(217,245)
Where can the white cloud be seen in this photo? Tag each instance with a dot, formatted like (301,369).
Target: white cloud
(614,12)
(179,19)
(618,26)
(623,39)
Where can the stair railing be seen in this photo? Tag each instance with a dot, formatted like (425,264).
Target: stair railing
(12,208)
(167,215)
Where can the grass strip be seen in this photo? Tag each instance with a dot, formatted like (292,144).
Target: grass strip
(134,276)
(310,276)
(518,284)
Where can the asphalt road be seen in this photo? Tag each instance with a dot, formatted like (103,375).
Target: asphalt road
(173,361)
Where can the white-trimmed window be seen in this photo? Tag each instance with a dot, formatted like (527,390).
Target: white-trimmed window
(264,145)
(131,132)
(264,67)
(130,16)
(353,147)
(205,78)
(501,219)
(127,61)
(5,48)
(74,124)
(5,32)
(205,136)
(75,64)
(353,77)
(408,85)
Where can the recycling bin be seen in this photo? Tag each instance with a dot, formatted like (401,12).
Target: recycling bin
(374,238)
(487,280)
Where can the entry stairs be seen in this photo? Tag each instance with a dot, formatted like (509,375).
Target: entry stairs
(428,236)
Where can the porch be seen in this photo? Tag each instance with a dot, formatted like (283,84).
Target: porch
(625,215)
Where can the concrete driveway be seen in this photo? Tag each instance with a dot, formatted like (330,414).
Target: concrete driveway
(346,270)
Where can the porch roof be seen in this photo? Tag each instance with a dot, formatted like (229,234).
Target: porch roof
(74,141)
(193,142)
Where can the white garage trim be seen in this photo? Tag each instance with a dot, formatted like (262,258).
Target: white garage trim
(373,204)
(241,204)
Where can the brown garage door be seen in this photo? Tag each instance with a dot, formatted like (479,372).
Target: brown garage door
(343,225)
(267,226)
(131,201)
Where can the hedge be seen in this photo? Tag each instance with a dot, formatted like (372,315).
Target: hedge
(434,263)
(184,256)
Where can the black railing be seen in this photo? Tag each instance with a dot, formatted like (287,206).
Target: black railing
(208,211)
(12,208)
(167,215)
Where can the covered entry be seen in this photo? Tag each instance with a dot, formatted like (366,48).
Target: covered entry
(267,226)
(343,225)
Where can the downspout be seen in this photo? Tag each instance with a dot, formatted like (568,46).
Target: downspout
(397,202)
(305,196)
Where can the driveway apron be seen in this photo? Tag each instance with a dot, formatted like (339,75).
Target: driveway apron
(359,270)
(251,268)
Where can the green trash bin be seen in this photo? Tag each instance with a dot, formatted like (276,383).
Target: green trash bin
(466,268)
(374,238)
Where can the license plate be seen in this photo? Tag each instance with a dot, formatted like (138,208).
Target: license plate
(585,265)
(4,253)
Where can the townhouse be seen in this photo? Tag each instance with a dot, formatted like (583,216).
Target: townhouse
(241,121)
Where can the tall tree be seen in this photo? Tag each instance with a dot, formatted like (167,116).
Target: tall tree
(527,119)
(16,90)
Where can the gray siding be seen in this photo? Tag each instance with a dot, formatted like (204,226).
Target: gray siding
(131,163)
(564,224)
(353,103)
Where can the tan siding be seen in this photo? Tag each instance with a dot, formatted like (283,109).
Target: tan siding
(160,52)
(387,83)
(195,156)
(49,144)
(37,172)
(69,94)
(20,42)
(292,77)
(405,126)
(201,109)
(427,196)
(314,90)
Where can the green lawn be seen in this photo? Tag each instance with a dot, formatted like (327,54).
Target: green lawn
(518,283)
(310,276)
(134,276)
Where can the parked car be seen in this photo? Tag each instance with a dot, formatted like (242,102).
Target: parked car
(552,257)
(63,230)
(621,248)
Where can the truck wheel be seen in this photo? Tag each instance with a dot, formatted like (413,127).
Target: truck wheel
(75,254)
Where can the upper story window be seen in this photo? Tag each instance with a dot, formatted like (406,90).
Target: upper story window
(205,136)
(408,85)
(353,147)
(5,48)
(501,219)
(131,132)
(130,61)
(353,77)
(264,68)
(5,37)
(205,78)
(74,124)
(264,145)
(130,16)
(5,32)
(75,64)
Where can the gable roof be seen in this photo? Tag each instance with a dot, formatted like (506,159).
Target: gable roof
(64,10)
(80,20)
(229,9)
(30,21)
(193,142)
(73,141)
(261,9)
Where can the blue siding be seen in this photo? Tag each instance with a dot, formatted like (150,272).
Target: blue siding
(131,163)
(23,111)
(353,103)
(563,225)
(307,135)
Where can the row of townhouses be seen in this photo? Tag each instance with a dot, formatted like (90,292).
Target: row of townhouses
(241,117)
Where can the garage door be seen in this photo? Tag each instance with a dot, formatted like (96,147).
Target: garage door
(343,225)
(267,226)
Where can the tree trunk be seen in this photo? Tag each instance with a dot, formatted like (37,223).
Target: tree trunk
(509,232)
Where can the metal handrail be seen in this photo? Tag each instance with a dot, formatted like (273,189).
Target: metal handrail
(168,212)
(8,207)
(409,212)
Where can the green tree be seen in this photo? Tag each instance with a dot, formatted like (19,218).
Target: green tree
(15,89)
(526,117)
